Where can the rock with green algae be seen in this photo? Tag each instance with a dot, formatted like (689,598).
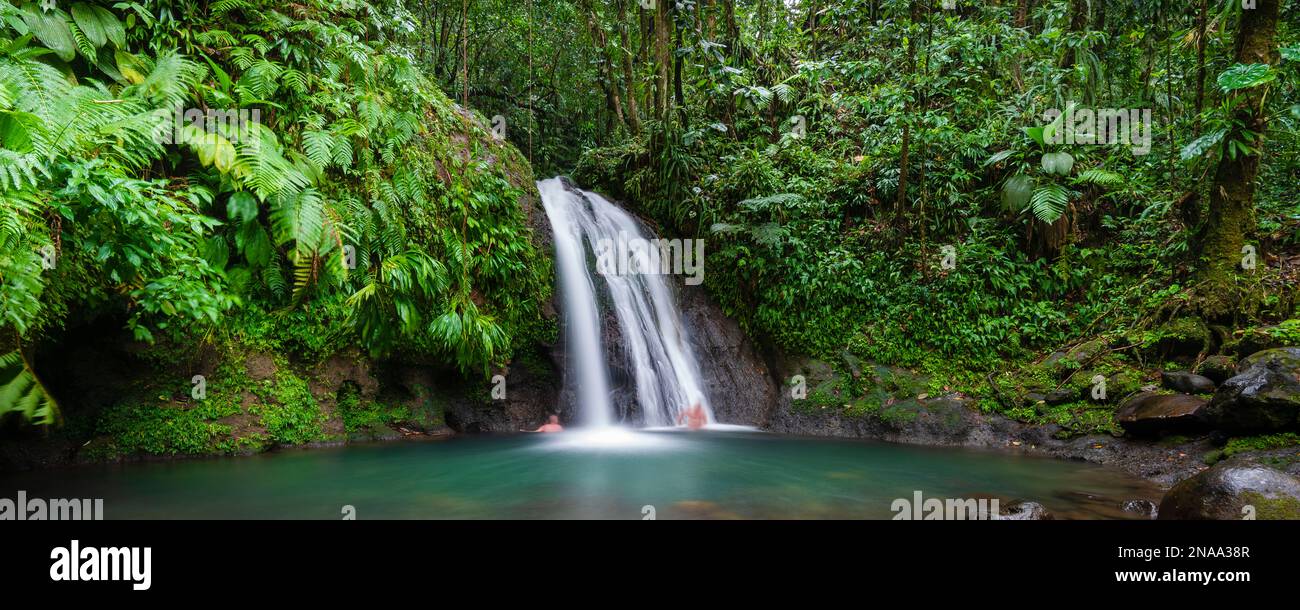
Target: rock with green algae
(1181,339)
(1264,396)
(1217,368)
(1232,491)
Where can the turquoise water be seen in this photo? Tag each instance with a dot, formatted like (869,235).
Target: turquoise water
(704,475)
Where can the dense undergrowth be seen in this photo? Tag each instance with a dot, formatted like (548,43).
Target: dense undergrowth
(358,207)
(880,188)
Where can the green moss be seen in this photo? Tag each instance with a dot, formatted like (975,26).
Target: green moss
(1273,509)
(1260,443)
(289,412)
(368,418)
(158,430)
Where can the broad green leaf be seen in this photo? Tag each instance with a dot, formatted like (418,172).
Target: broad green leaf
(1035,133)
(112,26)
(1059,163)
(1016,192)
(52,30)
(130,67)
(88,20)
(242,206)
(999,156)
(1244,76)
(1291,53)
(1198,146)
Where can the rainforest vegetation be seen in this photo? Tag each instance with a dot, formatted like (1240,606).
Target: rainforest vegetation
(909,182)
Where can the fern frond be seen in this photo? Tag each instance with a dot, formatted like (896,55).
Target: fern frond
(1049,202)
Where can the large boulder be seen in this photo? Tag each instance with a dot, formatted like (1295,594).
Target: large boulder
(1234,491)
(1264,395)
(1189,383)
(1151,412)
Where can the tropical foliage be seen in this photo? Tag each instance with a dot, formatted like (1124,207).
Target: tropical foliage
(323,170)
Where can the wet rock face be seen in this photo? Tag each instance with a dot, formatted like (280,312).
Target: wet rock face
(737,379)
(1234,491)
(1151,412)
(531,394)
(1263,396)
(1189,383)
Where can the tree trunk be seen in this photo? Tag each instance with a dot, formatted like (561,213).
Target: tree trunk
(633,114)
(1232,209)
(678,93)
(901,202)
(1201,19)
(1078,23)
(733,31)
(663,60)
(608,83)
(1022,19)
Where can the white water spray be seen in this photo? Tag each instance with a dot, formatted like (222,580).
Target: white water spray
(660,357)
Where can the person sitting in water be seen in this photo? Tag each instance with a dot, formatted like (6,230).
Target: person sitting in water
(694,416)
(552,425)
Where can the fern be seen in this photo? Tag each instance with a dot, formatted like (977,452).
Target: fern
(21,392)
(1049,202)
(1100,177)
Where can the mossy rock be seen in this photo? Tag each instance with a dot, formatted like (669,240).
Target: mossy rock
(1264,396)
(1182,339)
(1086,352)
(1230,491)
(1218,368)
(1252,340)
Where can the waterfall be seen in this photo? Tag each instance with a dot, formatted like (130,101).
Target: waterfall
(656,348)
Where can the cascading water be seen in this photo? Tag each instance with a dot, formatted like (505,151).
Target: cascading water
(666,372)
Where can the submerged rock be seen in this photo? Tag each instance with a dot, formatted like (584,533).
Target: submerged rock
(1265,395)
(1186,382)
(1024,511)
(1153,412)
(1231,491)
(1146,508)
